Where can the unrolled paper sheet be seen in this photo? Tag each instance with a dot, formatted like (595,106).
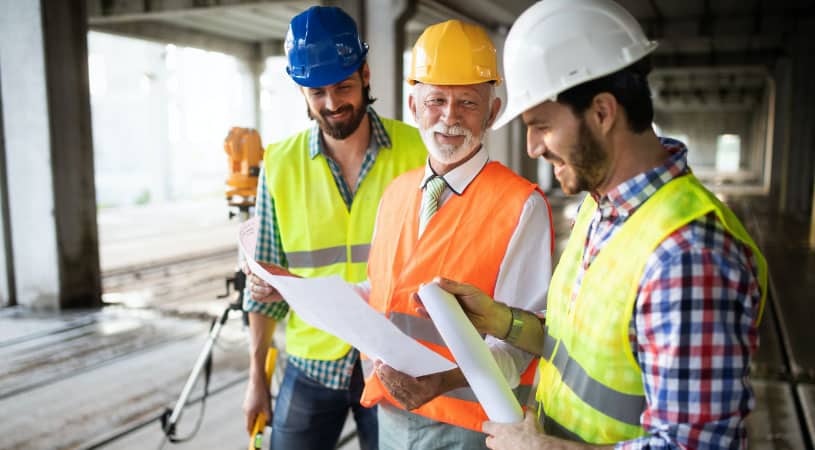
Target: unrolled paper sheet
(472,355)
(332,305)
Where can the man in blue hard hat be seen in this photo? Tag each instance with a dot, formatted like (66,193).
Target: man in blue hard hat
(317,204)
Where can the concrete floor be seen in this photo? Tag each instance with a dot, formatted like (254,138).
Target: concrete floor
(101,379)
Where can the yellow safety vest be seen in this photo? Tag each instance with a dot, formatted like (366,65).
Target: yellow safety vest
(590,385)
(319,235)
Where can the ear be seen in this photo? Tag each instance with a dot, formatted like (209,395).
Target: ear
(604,112)
(366,74)
(494,108)
(412,107)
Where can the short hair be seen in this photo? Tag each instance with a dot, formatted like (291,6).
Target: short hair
(629,86)
(366,90)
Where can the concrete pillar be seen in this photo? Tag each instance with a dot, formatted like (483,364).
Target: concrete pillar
(48,151)
(782,81)
(801,164)
(386,37)
(6,256)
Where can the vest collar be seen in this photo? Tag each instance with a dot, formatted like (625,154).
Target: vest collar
(624,199)
(380,136)
(459,178)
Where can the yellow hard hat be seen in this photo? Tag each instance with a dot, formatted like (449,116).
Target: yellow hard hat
(453,53)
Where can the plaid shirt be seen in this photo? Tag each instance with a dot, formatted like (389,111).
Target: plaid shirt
(332,374)
(693,328)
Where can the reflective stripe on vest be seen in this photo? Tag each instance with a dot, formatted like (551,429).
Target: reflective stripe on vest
(590,382)
(319,235)
(327,256)
(400,262)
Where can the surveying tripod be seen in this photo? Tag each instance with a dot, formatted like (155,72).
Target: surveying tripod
(237,281)
(242,146)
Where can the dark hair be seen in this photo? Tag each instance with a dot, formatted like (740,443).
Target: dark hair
(628,85)
(366,90)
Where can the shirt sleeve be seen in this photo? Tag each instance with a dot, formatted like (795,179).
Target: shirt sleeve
(268,249)
(523,279)
(694,334)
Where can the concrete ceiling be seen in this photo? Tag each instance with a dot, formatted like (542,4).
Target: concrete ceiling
(726,35)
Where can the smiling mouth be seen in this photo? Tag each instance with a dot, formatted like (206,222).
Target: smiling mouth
(448,136)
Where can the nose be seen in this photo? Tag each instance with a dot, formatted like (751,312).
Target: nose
(331,101)
(450,113)
(535,145)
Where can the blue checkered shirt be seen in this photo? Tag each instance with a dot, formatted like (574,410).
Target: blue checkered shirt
(334,374)
(693,329)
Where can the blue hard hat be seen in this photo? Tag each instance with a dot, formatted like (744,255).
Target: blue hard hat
(323,47)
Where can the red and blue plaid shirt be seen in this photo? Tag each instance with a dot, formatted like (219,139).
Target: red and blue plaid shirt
(693,328)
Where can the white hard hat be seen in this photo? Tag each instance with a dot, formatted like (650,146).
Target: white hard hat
(557,44)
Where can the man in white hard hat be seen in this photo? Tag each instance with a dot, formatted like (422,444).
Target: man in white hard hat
(653,308)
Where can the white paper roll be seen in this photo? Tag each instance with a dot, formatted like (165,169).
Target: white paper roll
(472,355)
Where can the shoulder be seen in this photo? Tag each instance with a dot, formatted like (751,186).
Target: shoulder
(702,262)
(508,180)
(289,146)
(406,180)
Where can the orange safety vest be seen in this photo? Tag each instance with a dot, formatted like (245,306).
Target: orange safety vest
(466,241)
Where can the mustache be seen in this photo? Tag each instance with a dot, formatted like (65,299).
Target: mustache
(342,109)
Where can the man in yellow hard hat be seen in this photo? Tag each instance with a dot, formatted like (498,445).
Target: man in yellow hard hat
(653,308)
(460,216)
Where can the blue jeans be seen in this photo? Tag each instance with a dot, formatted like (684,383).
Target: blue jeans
(310,416)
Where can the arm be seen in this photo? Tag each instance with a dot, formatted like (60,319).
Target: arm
(696,309)
(494,318)
(256,399)
(262,316)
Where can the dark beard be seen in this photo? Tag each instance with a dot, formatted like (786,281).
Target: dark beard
(590,161)
(339,130)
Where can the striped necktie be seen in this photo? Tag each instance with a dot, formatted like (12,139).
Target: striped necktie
(430,201)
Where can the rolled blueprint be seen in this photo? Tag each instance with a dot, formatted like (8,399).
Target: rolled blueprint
(472,355)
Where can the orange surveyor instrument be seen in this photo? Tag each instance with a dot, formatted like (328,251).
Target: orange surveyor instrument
(256,438)
(245,152)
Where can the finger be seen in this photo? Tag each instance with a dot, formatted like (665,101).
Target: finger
(250,421)
(246,269)
(421,312)
(489,442)
(454,287)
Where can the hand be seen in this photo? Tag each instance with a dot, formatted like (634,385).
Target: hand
(256,401)
(487,315)
(260,290)
(413,392)
(516,436)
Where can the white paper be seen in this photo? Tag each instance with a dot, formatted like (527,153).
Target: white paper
(472,355)
(332,305)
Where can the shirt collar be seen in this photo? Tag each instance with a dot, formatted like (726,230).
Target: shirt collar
(459,178)
(630,194)
(378,132)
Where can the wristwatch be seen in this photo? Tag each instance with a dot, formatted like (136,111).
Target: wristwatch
(515,326)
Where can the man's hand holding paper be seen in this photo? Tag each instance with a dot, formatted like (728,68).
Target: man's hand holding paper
(331,304)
